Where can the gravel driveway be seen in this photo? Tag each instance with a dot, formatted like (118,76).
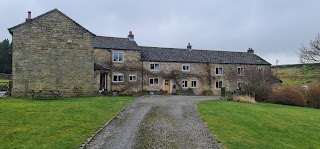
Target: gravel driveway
(157,122)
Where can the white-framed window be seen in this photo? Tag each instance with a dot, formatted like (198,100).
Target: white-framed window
(240,71)
(184,83)
(194,83)
(117,56)
(154,66)
(218,84)
(239,84)
(132,77)
(117,77)
(219,70)
(153,81)
(260,70)
(185,67)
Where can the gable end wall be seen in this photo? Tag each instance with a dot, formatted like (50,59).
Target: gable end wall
(52,53)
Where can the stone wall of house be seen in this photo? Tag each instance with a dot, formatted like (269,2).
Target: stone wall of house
(52,53)
(102,56)
(204,74)
(130,66)
(173,71)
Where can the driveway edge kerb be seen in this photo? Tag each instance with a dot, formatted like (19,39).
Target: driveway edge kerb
(84,145)
(205,124)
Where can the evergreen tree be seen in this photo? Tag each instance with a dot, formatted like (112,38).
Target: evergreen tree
(5,57)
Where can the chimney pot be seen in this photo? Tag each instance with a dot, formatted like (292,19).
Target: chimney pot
(189,47)
(29,17)
(29,14)
(131,36)
(250,50)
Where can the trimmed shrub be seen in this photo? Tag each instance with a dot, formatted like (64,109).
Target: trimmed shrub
(245,99)
(313,95)
(287,96)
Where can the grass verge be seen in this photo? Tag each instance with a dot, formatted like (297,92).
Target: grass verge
(261,126)
(3,82)
(63,123)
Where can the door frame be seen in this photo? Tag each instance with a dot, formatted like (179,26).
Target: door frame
(170,85)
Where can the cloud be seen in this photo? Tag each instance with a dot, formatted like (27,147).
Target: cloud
(275,29)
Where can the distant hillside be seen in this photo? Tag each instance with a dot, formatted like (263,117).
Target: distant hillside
(298,74)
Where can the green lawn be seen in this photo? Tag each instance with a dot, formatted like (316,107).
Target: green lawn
(63,123)
(242,125)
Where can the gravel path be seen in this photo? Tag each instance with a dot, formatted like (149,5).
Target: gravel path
(157,122)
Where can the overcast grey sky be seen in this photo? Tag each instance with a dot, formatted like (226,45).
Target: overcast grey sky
(275,29)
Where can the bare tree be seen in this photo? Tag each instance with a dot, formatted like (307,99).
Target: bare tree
(311,54)
(255,80)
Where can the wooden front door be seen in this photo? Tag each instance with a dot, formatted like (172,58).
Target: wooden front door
(167,85)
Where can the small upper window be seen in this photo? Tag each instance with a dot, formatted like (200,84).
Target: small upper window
(154,66)
(117,57)
(117,77)
(185,67)
(218,84)
(219,70)
(132,78)
(260,70)
(194,83)
(185,84)
(240,71)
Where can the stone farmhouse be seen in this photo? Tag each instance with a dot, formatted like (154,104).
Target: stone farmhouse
(53,52)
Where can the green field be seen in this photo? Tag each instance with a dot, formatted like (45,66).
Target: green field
(63,123)
(298,76)
(261,126)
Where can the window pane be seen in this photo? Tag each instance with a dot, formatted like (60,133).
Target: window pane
(220,84)
(115,78)
(120,77)
(217,84)
(115,56)
(151,66)
(219,70)
(150,81)
(134,78)
(194,84)
(156,66)
(120,57)
(185,67)
(130,78)
(156,81)
(184,83)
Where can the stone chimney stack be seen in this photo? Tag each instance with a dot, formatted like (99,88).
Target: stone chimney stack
(250,50)
(131,36)
(29,17)
(189,47)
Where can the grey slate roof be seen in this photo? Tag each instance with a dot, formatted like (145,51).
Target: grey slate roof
(115,43)
(45,14)
(98,66)
(199,56)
